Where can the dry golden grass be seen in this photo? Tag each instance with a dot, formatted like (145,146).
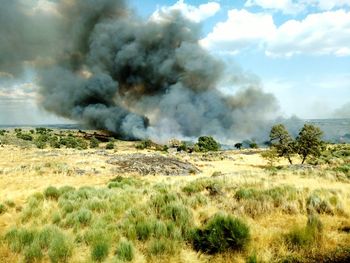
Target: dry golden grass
(24,172)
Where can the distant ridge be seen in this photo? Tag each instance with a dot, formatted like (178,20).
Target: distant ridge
(57,126)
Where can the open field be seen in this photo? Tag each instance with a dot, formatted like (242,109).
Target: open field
(87,205)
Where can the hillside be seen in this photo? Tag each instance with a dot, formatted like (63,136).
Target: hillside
(127,204)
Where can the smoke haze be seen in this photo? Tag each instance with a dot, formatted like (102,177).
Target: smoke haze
(101,65)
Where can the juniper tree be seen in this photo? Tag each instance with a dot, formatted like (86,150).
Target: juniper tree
(282,142)
(309,142)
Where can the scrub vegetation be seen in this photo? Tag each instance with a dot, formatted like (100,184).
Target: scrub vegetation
(72,205)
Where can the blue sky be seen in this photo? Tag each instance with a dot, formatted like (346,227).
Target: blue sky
(311,79)
(299,49)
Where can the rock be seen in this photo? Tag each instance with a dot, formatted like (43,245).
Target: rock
(152,164)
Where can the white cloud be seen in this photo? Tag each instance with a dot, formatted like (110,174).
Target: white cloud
(326,33)
(327,4)
(295,6)
(22,91)
(241,30)
(286,6)
(193,13)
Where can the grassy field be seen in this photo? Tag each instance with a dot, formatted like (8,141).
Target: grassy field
(71,204)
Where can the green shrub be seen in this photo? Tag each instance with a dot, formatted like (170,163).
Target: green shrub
(81,144)
(41,130)
(60,249)
(125,251)
(121,182)
(3,209)
(182,147)
(160,229)
(178,213)
(40,144)
(18,239)
(24,136)
(94,143)
(54,142)
(197,200)
(97,205)
(52,193)
(84,216)
(33,253)
(159,201)
(100,250)
(10,204)
(110,146)
(66,189)
(158,247)
(253,145)
(253,258)
(46,235)
(146,144)
(220,234)
(343,169)
(66,207)
(207,143)
(69,142)
(143,230)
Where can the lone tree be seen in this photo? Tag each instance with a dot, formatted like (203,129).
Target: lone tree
(207,143)
(238,146)
(282,142)
(309,142)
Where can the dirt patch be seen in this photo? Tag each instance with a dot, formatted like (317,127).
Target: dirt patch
(154,164)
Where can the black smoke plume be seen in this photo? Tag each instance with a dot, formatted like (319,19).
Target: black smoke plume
(100,64)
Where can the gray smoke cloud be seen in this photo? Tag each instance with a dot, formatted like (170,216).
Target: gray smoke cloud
(343,111)
(103,66)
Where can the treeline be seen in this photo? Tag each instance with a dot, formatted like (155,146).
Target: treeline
(43,138)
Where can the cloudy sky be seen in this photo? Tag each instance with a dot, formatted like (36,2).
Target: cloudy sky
(300,50)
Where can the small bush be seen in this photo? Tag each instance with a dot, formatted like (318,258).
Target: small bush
(94,143)
(110,146)
(100,250)
(146,144)
(125,251)
(18,239)
(178,213)
(54,142)
(69,142)
(158,247)
(207,143)
(24,136)
(3,209)
(66,189)
(121,182)
(60,249)
(52,193)
(253,145)
(143,230)
(222,233)
(10,204)
(84,216)
(33,253)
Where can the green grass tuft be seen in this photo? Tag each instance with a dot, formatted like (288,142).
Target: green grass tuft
(125,251)
(52,193)
(220,234)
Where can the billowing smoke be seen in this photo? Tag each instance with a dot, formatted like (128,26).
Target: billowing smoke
(104,67)
(343,111)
